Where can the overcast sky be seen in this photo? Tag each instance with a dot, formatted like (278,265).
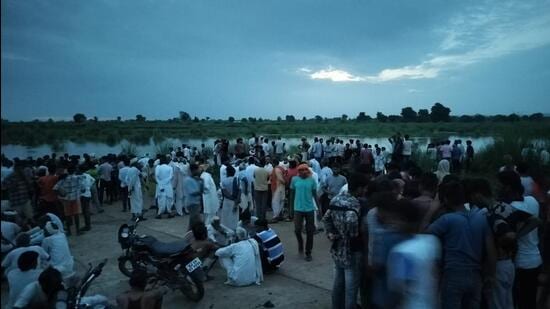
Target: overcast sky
(272,58)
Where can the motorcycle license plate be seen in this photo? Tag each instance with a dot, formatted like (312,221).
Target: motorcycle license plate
(193,265)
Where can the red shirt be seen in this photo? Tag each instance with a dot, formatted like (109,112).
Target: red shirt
(291,173)
(45,185)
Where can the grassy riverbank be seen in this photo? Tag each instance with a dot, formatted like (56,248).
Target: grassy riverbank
(113,132)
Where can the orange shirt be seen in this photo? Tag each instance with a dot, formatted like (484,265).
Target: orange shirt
(45,185)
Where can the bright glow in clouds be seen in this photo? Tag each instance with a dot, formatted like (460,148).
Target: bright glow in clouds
(336,76)
(468,39)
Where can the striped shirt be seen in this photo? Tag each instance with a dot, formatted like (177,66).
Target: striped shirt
(272,246)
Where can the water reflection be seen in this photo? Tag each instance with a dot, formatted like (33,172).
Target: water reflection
(100,149)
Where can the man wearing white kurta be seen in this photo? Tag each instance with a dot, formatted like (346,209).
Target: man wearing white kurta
(165,193)
(123,185)
(210,201)
(242,261)
(134,191)
(230,213)
(180,170)
(57,246)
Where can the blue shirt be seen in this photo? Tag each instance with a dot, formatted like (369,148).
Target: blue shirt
(303,193)
(462,236)
(192,189)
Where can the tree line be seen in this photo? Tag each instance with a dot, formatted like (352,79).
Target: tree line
(437,113)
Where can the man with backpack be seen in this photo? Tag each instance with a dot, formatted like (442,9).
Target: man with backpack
(342,227)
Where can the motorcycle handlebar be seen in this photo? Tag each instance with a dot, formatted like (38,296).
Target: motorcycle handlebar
(97,270)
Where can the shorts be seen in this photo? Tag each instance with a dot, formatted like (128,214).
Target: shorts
(72,208)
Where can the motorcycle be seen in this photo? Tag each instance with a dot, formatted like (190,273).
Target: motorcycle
(172,264)
(74,297)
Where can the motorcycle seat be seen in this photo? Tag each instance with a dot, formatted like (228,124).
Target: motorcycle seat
(160,248)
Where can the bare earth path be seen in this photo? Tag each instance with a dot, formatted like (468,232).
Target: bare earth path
(298,284)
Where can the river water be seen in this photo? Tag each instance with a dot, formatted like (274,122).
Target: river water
(100,149)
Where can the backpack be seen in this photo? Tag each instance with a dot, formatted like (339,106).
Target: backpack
(356,243)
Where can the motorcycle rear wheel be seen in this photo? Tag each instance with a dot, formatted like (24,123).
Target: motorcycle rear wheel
(192,286)
(127,266)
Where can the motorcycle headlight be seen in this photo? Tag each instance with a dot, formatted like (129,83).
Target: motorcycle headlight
(125,233)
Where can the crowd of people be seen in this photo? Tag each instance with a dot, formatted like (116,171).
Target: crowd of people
(401,237)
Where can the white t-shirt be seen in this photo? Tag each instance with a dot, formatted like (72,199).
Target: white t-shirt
(122,176)
(18,280)
(279,148)
(412,264)
(249,172)
(445,151)
(57,247)
(407,148)
(528,255)
(87,182)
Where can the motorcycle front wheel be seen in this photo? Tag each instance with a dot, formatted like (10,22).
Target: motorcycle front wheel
(192,286)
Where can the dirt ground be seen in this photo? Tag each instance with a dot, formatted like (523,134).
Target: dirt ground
(298,284)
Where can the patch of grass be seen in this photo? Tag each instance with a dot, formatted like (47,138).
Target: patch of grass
(128,149)
(113,132)
(162,148)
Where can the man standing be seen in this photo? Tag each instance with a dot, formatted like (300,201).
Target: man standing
(68,188)
(332,186)
(466,239)
(20,189)
(165,192)
(279,148)
(469,154)
(261,176)
(86,196)
(104,170)
(342,226)
(210,201)
(193,190)
(123,185)
(407,148)
(134,191)
(304,190)
(278,190)
(317,150)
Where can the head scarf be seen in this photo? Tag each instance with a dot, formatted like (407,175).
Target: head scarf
(241,233)
(442,169)
(51,228)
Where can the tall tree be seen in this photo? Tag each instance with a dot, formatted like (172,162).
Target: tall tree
(423,115)
(362,117)
(79,118)
(290,118)
(536,116)
(408,114)
(440,113)
(394,118)
(231,119)
(344,117)
(381,117)
(140,118)
(184,116)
